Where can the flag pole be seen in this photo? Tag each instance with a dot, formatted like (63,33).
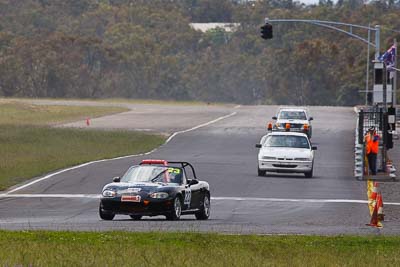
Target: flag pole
(367,78)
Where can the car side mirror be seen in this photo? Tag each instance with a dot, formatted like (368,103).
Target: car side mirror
(193,182)
(314,148)
(274,118)
(258,145)
(116,179)
(311,118)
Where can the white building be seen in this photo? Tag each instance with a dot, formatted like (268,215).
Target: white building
(204,27)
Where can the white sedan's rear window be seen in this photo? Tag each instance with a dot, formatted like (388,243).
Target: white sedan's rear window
(292,115)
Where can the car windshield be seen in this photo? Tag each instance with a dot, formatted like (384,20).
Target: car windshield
(287,141)
(154,174)
(292,115)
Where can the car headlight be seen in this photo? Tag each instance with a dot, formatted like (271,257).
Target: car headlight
(109,193)
(159,195)
(268,158)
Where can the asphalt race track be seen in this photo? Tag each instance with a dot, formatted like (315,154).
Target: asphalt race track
(224,154)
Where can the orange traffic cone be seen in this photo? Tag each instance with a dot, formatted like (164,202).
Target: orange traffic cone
(87,121)
(379,204)
(374,218)
(374,192)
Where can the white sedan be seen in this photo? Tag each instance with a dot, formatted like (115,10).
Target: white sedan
(296,117)
(287,152)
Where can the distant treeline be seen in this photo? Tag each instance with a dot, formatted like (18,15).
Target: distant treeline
(147,49)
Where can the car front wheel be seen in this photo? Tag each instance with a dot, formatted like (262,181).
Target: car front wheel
(108,216)
(261,172)
(176,210)
(310,173)
(204,212)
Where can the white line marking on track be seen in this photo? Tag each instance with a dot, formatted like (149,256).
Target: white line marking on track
(95,196)
(129,156)
(200,126)
(259,199)
(293,200)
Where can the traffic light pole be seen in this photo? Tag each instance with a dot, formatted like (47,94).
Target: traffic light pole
(335,26)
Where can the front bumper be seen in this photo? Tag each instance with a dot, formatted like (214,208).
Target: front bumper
(285,166)
(151,208)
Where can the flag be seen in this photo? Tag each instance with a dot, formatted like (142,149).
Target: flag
(389,57)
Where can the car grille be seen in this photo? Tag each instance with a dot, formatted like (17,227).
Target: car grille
(284,166)
(125,207)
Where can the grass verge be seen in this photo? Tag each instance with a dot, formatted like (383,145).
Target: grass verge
(30,148)
(30,151)
(20,113)
(38,248)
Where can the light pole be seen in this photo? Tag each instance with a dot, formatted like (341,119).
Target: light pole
(377,41)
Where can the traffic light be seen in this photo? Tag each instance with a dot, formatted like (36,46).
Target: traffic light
(266,31)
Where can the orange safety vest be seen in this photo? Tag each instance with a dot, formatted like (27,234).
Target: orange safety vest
(367,140)
(372,146)
(375,144)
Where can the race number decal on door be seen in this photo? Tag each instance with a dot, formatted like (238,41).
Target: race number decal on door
(188,197)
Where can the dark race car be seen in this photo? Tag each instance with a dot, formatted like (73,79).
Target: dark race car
(156,187)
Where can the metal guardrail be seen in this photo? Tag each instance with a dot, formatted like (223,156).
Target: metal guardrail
(358,153)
